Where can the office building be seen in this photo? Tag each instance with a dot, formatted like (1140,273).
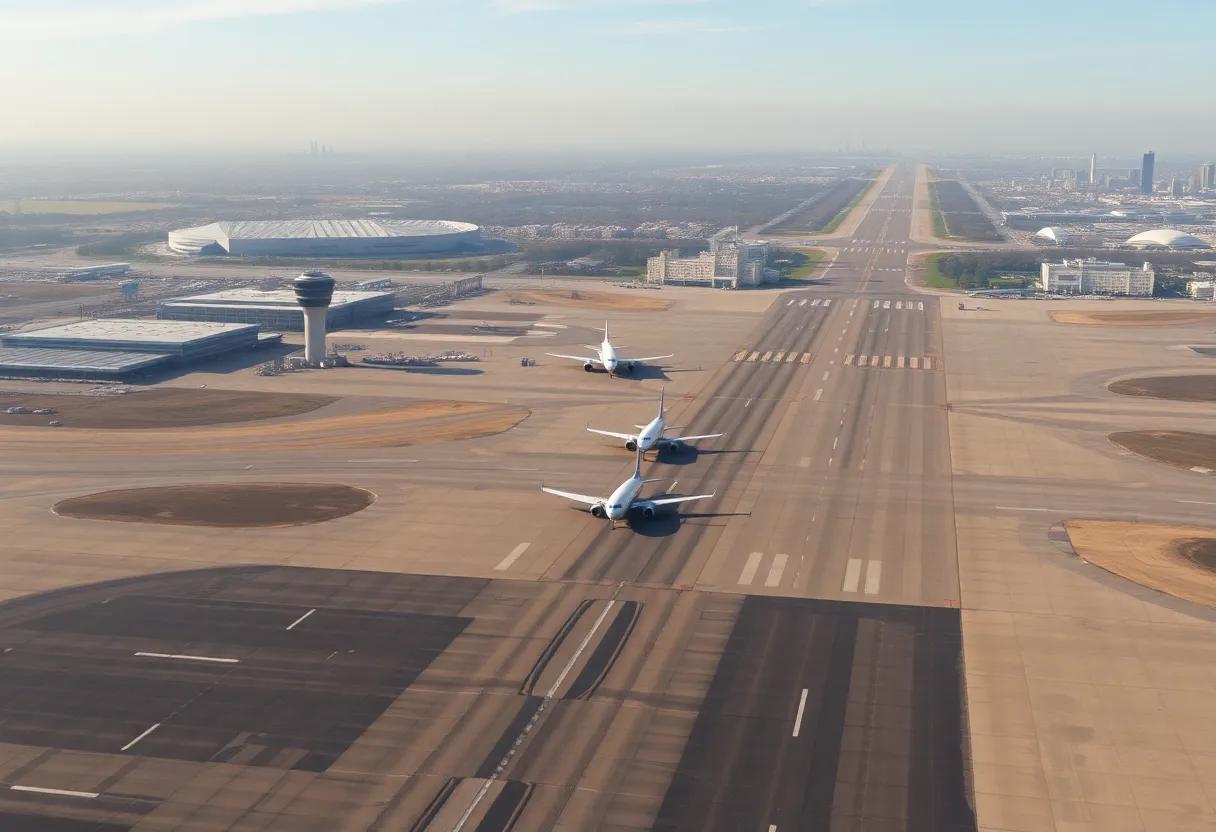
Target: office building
(728,265)
(1146,172)
(1093,170)
(1175,187)
(1207,176)
(1133,178)
(1201,289)
(1093,277)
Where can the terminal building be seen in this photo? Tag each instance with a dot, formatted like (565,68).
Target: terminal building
(276,308)
(727,265)
(1093,277)
(117,348)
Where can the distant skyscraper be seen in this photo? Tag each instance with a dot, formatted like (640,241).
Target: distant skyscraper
(1207,175)
(1175,187)
(1093,170)
(1133,178)
(1146,172)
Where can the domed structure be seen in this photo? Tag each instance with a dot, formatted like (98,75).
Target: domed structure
(1167,238)
(327,238)
(1051,236)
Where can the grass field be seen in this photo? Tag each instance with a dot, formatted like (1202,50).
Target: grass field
(81,207)
(831,227)
(934,278)
(797,264)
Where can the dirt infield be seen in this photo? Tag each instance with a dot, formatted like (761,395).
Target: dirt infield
(233,506)
(631,302)
(1163,317)
(1178,560)
(162,407)
(1174,388)
(1179,448)
(420,423)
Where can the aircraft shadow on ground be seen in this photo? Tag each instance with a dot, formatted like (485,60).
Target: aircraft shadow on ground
(690,455)
(431,371)
(669,522)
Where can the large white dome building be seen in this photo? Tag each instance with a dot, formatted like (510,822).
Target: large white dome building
(1167,238)
(327,238)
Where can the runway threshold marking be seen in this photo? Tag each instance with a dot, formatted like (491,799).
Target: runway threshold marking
(740,355)
(188,658)
(806,358)
(873,576)
(141,736)
(749,568)
(299,620)
(852,575)
(819,394)
(790,358)
(514,556)
(60,792)
(775,572)
(798,719)
(754,356)
(827,303)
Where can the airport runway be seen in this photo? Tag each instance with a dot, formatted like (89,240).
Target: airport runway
(786,656)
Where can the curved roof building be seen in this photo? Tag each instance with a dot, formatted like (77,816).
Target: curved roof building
(1051,236)
(1167,238)
(327,238)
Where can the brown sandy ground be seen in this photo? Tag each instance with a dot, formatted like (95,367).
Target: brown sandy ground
(421,423)
(163,407)
(23,293)
(1178,560)
(1174,388)
(244,505)
(1133,318)
(634,301)
(1173,447)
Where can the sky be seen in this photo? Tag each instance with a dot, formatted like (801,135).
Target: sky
(452,75)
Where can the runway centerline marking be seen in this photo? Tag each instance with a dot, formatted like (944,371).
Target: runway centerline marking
(293,624)
(514,556)
(749,568)
(60,792)
(798,719)
(1197,503)
(774,573)
(1020,508)
(852,575)
(819,394)
(141,736)
(189,658)
(873,576)
(825,375)
(485,787)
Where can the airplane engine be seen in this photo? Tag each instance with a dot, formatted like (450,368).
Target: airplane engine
(631,445)
(588,367)
(597,510)
(677,447)
(648,512)
(628,368)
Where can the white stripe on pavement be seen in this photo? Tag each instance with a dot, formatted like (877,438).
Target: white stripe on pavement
(514,556)
(774,574)
(873,576)
(801,708)
(852,575)
(749,568)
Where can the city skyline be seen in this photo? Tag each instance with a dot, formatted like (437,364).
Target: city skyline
(646,74)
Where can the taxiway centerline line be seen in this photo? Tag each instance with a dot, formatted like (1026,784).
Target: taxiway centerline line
(60,792)
(801,708)
(293,624)
(141,736)
(188,657)
(514,556)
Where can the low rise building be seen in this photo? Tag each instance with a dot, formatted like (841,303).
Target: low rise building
(1094,277)
(1202,289)
(276,308)
(727,265)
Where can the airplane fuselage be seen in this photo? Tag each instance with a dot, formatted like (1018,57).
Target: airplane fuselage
(651,435)
(608,357)
(618,505)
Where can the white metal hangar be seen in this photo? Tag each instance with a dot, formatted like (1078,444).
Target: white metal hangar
(276,308)
(327,238)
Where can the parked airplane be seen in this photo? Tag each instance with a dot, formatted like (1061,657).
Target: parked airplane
(606,357)
(651,435)
(625,499)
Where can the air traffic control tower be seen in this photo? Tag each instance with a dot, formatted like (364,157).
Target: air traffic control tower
(314,291)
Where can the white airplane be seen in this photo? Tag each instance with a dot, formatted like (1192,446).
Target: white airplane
(651,435)
(606,357)
(624,499)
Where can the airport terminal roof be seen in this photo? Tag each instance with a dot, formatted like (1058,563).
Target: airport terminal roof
(125,331)
(75,361)
(270,297)
(1167,238)
(303,229)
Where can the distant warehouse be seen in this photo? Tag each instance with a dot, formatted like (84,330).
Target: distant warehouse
(327,238)
(276,308)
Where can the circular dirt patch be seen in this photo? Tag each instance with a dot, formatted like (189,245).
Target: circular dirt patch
(1173,447)
(234,506)
(1134,318)
(1178,560)
(1174,388)
(1200,551)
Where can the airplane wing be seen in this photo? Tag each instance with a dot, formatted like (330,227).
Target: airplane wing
(671,501)
(581,358)
(569,495)
(649,358)
(625,436)
(691,438)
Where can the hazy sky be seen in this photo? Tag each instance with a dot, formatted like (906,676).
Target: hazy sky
(1112,75)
